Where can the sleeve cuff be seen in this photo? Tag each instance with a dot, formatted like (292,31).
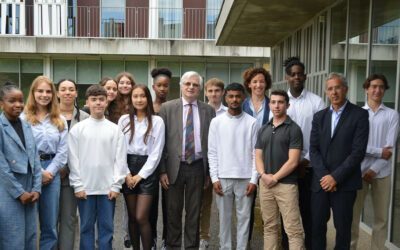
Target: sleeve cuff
(116,189)
(214,179)
(254,180)
(78,189)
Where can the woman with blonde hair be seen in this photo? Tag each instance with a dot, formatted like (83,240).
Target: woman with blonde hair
(50,130)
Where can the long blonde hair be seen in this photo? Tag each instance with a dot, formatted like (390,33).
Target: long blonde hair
(53,107)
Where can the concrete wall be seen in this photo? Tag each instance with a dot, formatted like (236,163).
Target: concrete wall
(96,46)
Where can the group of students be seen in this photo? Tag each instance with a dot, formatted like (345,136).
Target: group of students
(56,158)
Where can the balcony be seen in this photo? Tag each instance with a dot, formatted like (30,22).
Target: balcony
(57,20)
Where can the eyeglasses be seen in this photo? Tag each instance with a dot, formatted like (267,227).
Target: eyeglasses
(193,84)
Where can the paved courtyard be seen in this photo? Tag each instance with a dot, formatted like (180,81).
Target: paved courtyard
(256,243)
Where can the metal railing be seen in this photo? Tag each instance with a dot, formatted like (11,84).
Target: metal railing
(129,22)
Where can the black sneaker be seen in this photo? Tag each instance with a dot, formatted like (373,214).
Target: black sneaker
(127,242)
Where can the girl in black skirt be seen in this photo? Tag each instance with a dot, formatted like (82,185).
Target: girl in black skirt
(145,137)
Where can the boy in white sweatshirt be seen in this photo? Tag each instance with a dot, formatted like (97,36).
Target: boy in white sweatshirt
(231,141)
(98,168)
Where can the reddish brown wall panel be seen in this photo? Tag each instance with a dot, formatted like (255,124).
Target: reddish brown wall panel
(194,19)
(137,18)
(88,18)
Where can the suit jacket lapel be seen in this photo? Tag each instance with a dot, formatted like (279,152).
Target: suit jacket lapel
(202,115)
(328,128)
(8,128)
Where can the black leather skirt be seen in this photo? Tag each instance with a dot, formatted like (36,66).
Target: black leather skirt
(145,186)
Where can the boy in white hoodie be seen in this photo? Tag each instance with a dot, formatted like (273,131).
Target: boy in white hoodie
(97,161)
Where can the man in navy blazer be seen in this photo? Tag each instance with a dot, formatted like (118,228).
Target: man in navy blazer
(338,142)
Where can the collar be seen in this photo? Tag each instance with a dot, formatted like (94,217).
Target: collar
(221,107)
(97,120)
(340,109)
(287,121)
(184,102)
(303,94)
(382,106)
(235,116)
(262,105)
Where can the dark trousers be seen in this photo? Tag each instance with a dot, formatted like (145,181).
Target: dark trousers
(341,203)
(154,213)
(187,190)
(153,217)
(251,224)
(304,185)
(164,212)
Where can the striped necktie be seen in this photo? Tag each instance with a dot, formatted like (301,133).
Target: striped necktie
(189,137)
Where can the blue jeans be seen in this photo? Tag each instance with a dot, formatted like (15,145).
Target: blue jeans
(96,208)
(48,211)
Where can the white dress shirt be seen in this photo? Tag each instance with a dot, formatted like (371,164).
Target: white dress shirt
(383,130)
(196,124)
(336,117)
(152,148)
(259,114)
(302,110)
(221,110)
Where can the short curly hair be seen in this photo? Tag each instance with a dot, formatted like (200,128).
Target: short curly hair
(251,73)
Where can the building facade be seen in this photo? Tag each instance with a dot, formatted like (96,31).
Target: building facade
(352,37)
(85,40)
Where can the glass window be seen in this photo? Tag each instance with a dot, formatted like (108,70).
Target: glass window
(174,88)
(9,19)
(112,18)
(385,38)
(140,71)
(64,69)
(338,36)
(358,49)
(111,68)
(71,17)
(30,69)
(213,8)
(308,47)
(237,70)
(321,39)
(170,19)
(9,70)
(219,70)
(88,71)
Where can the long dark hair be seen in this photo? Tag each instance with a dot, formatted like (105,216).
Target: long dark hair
(112,107)
(149,113)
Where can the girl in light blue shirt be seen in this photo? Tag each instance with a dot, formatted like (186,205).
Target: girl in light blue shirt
(50,131)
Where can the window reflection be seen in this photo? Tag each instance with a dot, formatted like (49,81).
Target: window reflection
(170,19)
(112,18)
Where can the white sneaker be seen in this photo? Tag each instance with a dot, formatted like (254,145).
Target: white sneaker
(163,246)
(203,245)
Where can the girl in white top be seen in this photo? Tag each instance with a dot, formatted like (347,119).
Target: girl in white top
(144,147)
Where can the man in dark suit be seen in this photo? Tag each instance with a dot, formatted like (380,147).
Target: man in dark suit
(338,142)
(185,160)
